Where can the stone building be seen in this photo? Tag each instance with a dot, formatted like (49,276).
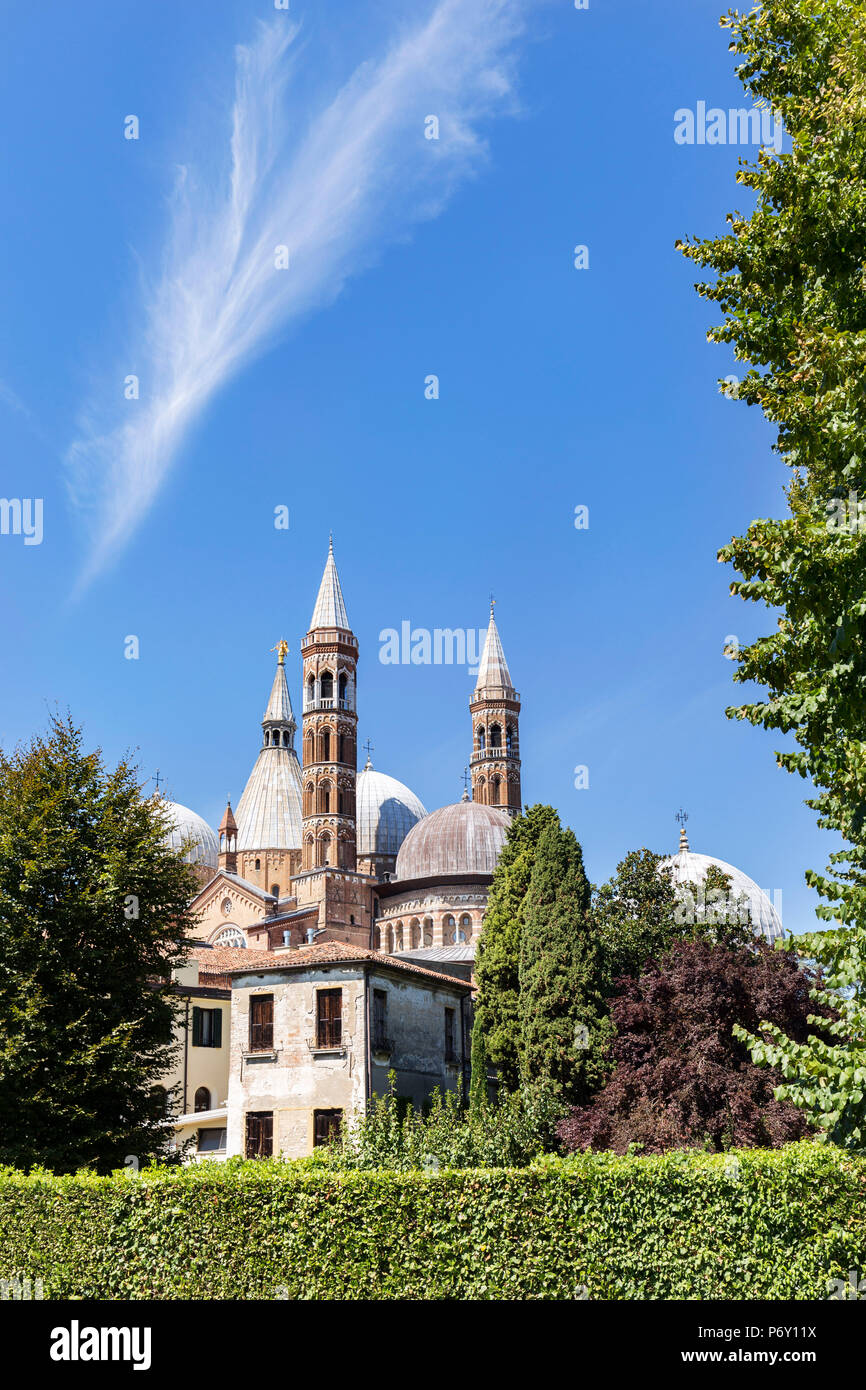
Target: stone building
(315,1030)
(317,851)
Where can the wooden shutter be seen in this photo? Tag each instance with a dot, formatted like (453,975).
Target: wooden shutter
(326,1126)
(450,1053)
(196,1026)
(261,1022)
(380,1014)
(260,1134)
(217,1030)
(329,1005)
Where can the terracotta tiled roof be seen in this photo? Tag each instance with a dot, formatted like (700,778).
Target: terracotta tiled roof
(215,962)
(327,953)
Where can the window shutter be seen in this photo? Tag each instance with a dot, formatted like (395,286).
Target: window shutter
(217,1039)
(196,1026)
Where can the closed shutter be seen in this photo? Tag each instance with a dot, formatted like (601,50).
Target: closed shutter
(196,1026)
(329,1030)
(261,1022)
(260,1134)
(217,1039)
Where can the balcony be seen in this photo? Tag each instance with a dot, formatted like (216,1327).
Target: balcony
(310,706)
(501,751)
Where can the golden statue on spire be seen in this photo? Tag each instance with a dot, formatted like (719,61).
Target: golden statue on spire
(281,649)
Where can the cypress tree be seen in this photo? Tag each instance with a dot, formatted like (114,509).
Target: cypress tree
(564,1029)
(498,961)
(479,1065)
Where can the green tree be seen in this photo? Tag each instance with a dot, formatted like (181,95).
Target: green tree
(93,914)
(564,1028)
(789,280)
(479,1067)
(826,1079)
(498,962)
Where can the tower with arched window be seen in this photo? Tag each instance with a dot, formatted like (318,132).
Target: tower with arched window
(495,710)
(330,725)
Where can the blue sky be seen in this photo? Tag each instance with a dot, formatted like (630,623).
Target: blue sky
(408,257)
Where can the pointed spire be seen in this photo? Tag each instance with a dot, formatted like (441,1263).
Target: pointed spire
(228,822)
(279,710)
(493,670)
(330,610)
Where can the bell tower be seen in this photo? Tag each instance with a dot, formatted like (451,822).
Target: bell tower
(330,729)
(495,710)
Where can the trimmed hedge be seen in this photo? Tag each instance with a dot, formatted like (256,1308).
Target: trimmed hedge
(754,1224)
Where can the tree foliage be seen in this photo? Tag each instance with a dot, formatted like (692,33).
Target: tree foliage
(790,282)
(682,1079)
(93,911)
(564,1028)
(498,960)
(825,1076)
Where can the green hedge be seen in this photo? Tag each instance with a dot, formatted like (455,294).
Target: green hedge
(756,1224)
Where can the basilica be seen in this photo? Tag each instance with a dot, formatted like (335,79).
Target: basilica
(316,851)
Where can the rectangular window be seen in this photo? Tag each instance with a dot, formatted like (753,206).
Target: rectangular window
(450,1050)
(326,1126)
(211,1141)
(329,1018)
(260,1134)
(380,1019)
(262,1023)
(207,1027)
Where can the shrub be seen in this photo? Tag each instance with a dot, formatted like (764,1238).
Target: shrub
(775,1225)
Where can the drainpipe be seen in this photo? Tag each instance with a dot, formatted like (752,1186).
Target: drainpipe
(185,1055)
(368,1081)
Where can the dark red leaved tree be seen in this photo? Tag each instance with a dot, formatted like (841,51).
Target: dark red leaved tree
(681,1079)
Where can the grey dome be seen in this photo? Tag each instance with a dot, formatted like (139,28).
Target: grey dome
(386,811)
(692,868)
(188,825)
(465,838)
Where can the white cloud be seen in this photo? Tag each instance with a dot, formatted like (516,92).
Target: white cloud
(334,186)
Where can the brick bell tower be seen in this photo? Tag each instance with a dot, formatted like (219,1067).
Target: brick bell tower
(330,729)
(495,709)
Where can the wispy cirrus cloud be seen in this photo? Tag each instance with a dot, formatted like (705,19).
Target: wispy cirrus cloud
(359,175)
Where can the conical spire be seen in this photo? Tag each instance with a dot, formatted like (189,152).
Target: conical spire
(228,824)
(279,710)
(330,610)
(493,670)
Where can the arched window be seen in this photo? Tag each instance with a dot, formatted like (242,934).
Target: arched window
(398,937)
(275,890)
(325,737)
(480,790)
(495,736)
(414,933)
(449,930)
(427,938)
(495,786)
(258,863)
(326,685)
(464,932)
(324,797)
(343,683)
(482,739)
(324,851)
(311,691)
(509,738)
(309,793)
(202,1099)
(390,941)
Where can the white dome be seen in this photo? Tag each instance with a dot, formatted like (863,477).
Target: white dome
(465,838)
(386,811)
(188,825)
(692,868)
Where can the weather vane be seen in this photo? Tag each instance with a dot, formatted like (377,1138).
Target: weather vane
(466,779)
(281,649)
(681,816)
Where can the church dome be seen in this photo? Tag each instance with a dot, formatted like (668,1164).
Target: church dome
(465,838)
(188,826)
(269,813)
(689,867)
(386,811)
